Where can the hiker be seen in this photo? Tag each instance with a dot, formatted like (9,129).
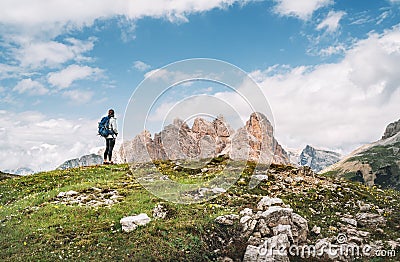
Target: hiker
(110,138)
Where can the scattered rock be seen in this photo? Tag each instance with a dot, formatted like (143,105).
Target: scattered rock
(364,207)
(349,221)
(244,219)
(67,194)
(259,177)
(160,212)
(227,220)
(393,244)
(270,250)
(274,214)
(271,230)
(132,222)
(316,230)
(370,220)
(92,197)
(289,180)
(246,212)
(263,228)
(224,259)
(283,229)
(266,202)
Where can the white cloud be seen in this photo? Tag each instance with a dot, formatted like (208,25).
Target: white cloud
(339,105)
(30,87)
(141,66)
(65,77)
(32,53)
(79,96)
(332,50)
(331,22)
(30,13)
(383,16)
(30,139)
(302,9)
(8,71)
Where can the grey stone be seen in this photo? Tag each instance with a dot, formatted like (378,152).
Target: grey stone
(132,222)
(160,212)
(263,228)
(274,214)
(227,220)
(246,212)
(244,219)
(266,202)
(316,230)
(370,220)
(283,229)
(349,221)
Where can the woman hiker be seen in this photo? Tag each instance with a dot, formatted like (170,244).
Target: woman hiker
(110,139)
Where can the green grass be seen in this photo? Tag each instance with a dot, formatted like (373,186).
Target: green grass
(33,228)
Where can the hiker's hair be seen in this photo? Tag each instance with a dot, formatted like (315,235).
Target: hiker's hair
(111,112)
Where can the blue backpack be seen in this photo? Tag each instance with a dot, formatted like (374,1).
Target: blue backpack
(104,129)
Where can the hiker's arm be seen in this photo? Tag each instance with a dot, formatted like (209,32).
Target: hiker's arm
(114,126)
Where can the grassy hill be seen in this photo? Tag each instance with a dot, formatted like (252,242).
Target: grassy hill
(4,176)
(376,165)
(35,225)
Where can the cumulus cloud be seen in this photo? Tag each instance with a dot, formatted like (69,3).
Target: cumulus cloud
(30,87)
(332,50)
(64,78)
(79,96)
(141,66)
(339,105)
(83,13)
(302,9)
(331,22)
(32,53)
(30,139)
(8,71)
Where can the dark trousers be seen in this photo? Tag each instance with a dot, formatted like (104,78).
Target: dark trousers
(110,142)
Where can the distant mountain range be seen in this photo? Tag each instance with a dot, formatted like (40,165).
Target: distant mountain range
(316,159)
(86,160)
(377,163)
(22,171)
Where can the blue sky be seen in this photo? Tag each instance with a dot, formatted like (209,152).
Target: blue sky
(329,68)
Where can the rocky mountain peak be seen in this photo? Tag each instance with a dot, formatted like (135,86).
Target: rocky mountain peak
(258,125)
(202,127)
(207,139)
(221,129)
(317,159)
(392,129)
